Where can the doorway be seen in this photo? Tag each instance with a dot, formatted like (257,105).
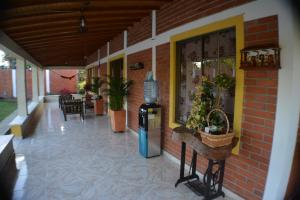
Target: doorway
(116,68)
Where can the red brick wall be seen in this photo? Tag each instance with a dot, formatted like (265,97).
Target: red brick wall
(140,31)
(261,31)
(93,57)
(103,76)
(136,96)
(103,51)
(6,90)
(29,84)
(257,126)
(117,43)
(179,12)
(103,69)
(57,83)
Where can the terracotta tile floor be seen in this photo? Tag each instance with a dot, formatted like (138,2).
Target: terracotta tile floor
(86,160)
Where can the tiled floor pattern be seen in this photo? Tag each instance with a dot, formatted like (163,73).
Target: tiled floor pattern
(86,160)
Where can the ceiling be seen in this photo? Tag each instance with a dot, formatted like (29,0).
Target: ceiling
(49,29)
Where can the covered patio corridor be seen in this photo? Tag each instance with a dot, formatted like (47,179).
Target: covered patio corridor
(86,160)
(154,70)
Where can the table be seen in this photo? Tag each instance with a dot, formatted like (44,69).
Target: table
(211,186)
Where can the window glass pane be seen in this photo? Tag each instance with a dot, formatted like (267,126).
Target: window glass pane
(208,55)
(210,45)
(190,76)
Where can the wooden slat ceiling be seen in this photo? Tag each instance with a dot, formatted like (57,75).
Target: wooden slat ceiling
(49,29)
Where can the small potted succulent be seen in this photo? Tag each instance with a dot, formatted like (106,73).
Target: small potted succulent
(99,102)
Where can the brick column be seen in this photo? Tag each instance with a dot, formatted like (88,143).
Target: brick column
(21,87)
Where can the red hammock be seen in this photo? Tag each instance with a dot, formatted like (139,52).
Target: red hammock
(65,77)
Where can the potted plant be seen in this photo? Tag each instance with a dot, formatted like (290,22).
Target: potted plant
(99,102)
(117,89)
(207,116)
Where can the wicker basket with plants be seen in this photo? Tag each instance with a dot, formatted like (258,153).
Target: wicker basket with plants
(207,117)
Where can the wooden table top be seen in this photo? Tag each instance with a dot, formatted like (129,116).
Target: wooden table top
(183,134)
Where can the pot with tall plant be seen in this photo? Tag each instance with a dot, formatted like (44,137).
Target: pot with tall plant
(99,102)
(118,89)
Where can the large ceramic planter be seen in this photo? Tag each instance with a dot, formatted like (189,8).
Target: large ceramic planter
(99,106)
(118,120)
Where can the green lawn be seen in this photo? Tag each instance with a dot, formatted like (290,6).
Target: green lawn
(6,108)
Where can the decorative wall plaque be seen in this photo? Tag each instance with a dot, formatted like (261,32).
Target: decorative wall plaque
(265,57)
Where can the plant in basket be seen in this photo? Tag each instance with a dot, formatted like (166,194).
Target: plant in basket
(206,115)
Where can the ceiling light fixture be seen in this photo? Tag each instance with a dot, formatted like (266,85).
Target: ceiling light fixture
(82,24)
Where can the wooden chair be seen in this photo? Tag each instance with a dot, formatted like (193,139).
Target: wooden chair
(62,98)
(74,106)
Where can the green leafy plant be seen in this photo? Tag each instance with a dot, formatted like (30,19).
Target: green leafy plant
(96,85)
(223,82)
(205,100)
(118,88)
(80,87)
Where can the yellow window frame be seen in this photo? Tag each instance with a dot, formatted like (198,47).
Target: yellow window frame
(238,23)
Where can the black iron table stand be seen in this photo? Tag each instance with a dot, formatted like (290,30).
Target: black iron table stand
(211,186)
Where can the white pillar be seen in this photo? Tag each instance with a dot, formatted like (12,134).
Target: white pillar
(125,72)
(98,67)
(14,82)
(47,81)
(41,82)
(288,106)
(35,93)
(153,44)
(21,87)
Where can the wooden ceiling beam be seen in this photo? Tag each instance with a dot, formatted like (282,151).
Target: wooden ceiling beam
(49,29)
(69,35)
(66,33)
(61,39)
(70,15)
(69,43)
(78,5)
(70,22)
(94,28)
(18,3)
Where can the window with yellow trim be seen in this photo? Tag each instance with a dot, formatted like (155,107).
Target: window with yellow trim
(207,55)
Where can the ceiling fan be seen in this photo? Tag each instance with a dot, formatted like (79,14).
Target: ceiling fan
(82,19)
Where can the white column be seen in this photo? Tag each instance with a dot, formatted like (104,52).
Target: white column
(153,44)
(107,51)
(125,72)
(47,81)
(21,87)
(98,67)
(14,82)
(35,93)
(41,82)
(288,106)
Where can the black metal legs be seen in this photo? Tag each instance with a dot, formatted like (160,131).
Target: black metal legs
(183,178)
(212,184)
(212,178)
